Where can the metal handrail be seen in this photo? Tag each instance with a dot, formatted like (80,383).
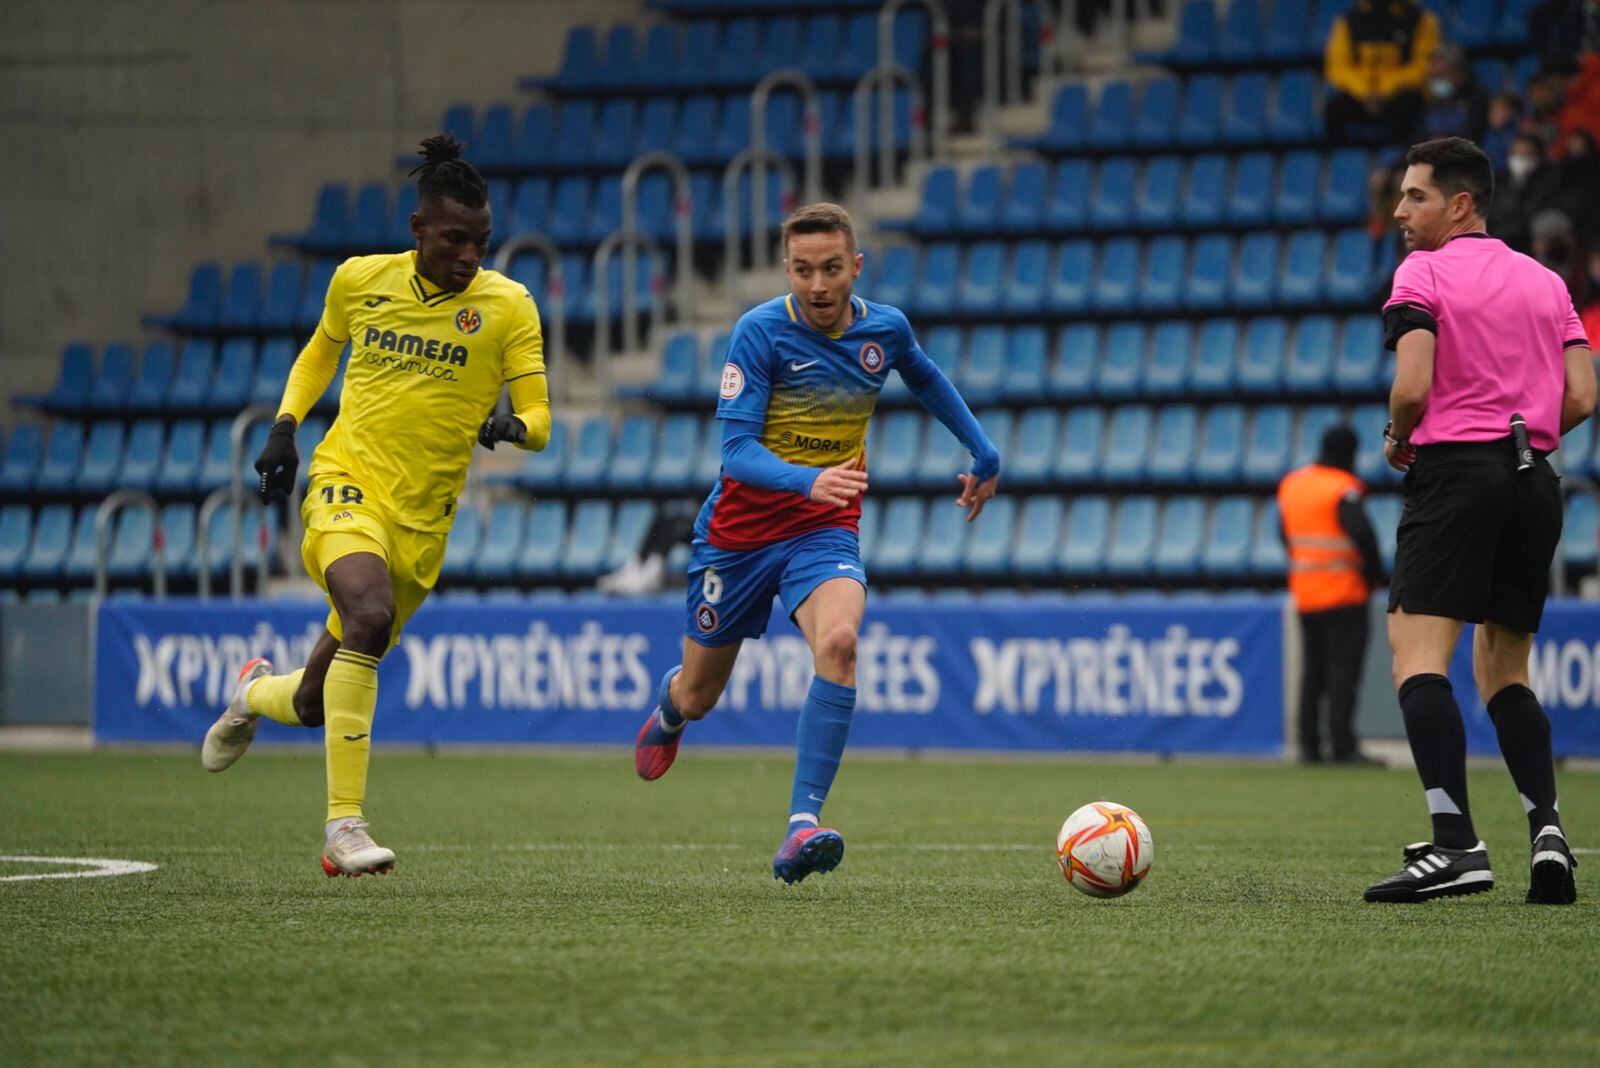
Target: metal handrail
(236,435)
(683,214)
(225,497)
(630,301)
(103,517)
(997,90)
(812,131)
(939,46)
(555,286)
(756,161)
(874,80)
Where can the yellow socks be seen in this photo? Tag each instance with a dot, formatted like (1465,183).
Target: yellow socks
(349,697)
(273,696)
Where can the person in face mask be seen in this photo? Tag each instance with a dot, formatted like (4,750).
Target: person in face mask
(1525,188)
(1457,104)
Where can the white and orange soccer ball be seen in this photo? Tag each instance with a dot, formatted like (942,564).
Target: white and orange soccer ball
(1104,849)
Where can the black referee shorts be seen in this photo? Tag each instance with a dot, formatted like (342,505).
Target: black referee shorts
(1476,536)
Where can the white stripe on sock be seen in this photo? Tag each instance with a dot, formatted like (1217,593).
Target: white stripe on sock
(1527,806)
(1439,803)
(804,817)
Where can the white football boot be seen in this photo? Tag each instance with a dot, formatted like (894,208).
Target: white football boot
(235,729)
(351,851)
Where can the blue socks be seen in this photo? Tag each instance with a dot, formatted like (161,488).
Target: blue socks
(670,719)
(819,745)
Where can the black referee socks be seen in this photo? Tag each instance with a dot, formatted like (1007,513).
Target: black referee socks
(1439,746)
(1524,732)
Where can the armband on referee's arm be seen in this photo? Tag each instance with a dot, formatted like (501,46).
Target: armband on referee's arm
(1401,319)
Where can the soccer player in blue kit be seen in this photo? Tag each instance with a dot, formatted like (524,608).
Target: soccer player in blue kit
(802,378)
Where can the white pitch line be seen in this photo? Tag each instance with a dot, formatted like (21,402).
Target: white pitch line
(98,867)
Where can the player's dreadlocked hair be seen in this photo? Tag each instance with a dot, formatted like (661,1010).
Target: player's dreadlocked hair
(443,173)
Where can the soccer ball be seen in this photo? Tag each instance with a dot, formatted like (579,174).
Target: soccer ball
(1104,849)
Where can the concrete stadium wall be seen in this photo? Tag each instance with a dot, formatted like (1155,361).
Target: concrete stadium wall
(142,136)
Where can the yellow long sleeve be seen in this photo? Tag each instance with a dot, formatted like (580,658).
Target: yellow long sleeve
(530,402)
(315,367)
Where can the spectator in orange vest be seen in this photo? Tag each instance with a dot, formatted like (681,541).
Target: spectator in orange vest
(1376,66)
(1333,567)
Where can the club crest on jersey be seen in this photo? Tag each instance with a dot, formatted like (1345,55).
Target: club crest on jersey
(872,358)
(732,381)
(705,617)
(468,320)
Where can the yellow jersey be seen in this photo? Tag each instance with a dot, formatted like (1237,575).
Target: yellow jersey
(426,368)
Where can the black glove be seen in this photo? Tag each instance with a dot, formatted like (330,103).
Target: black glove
(501,428)
(278,463)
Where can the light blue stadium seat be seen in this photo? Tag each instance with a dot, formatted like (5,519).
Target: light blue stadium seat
(658,125)
(941,458)
(899,445)
(24,452)
(78,567)
(1266,448)
(1286,35)
(1155,206)
(1205,191)
(1023,371)
(62,458)
(1359,357)
(1576,454)
(1197,32)
(587,540)
(697,125)
(1303,260)
(1383,512)
(979,211)
(539,472)
(1581,531)
(943,345)
(1200,119)
(70,394)
(1293,117)
(987,356)
(236,372)
(112,384)
(52,537)
(1216,357)
(315,297)
(149,390)
(1130,553)
(1256,271)
(1309,428)
(982,275)
(676,453)
(1166,372)
(1344,195)
(16,535)
(867,528)
(936,289)
(178,526)
(1083,542)
(570,211)
(733,128)
(1031,463)
(1239,36)
(590,455)
(1206,286)
(466,541)
(1250,194)
(1128,444)
(1180,538)
(1111,204)
(1023,209)
(989,540)
(102,460)
(1023,292)
(1069,122)
(143,456)
(1161,284)
(1299,179)
(628,530)
(203,306)
(1038,536)
(1268,559)
(214,458)
(1066,208)
(900,542)
(580,61)
(1226,555)
(614,134)
(1072,375)
(708,459)
(1121,365)
(1070,277)
(1221,445)
(895,280)
(530,210)
(271,372)
(370,215)
(1244,119)
(716,358)
(1111,125)
(944,540)
(736,63)
(1116,281)
(543,540)
(630,462)
(280,307)
(1157,115)
(1266,348)
(605,217)
(1350,278)
(131,556)
(1172,454)
(191,387)
(1309,369)
(180,469)
(936,207)
(1368,421)
(1082,442)
(1000,425)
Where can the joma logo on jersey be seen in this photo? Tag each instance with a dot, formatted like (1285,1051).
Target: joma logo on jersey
(412,345)
(806,441)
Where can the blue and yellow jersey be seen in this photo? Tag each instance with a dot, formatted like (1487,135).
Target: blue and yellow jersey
(814,395)
(426,367)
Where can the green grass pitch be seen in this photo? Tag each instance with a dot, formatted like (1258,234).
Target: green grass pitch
(553,909)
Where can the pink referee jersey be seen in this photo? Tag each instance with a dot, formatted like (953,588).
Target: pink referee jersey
(1503,322)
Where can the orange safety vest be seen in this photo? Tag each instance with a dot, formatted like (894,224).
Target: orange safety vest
(1324,564)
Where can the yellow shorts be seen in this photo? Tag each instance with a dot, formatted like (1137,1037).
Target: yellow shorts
(341,518)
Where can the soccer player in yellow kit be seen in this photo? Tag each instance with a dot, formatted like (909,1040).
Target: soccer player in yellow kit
(433,338)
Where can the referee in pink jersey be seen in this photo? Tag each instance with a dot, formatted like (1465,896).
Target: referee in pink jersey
(1491,368)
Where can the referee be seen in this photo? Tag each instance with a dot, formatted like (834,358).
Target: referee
(1492,367)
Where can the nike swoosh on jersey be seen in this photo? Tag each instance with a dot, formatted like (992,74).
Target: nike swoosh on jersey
(802,366)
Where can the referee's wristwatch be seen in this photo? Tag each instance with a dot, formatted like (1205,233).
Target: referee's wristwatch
(1388,438)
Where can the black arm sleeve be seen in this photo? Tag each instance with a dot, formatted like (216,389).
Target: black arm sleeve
(1353,518)
(1401,319)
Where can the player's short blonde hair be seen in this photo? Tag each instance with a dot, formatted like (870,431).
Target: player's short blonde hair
(820,219)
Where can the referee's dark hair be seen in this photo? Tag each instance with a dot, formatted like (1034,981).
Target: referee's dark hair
(1459,166)
(443,173)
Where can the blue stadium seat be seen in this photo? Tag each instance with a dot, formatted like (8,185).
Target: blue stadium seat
(191,386)
(628,530)
(986,364)
(943,540)
(1255,272)
(461,551)
(370,219)
(657,128)
(1576,454)
(680,359)
(1131,550)
(131,555)
(895,281)
(1172,453)
(329,220)
(178,523)
(16,534)
(820,48)
(716,359)
(677,451)
(587,540)
(1383,511)
(942,345)
(1180,538)
(180,468)
(982,274)
(1473,23)
(1082,443)
(102,459)
(530,206)
(501,545)
(1239,37)
(1298,183)
(1158,113)
(1206,286)
(1309,369)
(1023,209)
(1266,447)
(535,133)
(280,308)
(867,528)
(1221,445)
(1244,120)
(236,372)
(1031,462)
(988,542)
(1312,424)
(697,52)
(1512,29)
(271,372)
(1166,371)
(1116,281)
(1368,421)
(78,567)
(979,211)
(1268,560)
(899,445)
(1155,206)
(1069,122)
(491,145)
(572,145)
(1226,554)
(1216,357)
(1350,278)
(1581,532)
(1200,119)
(219,536)
(114,381)
(539,472)
(605,216)
(781,39)
(900,540)
(1293,117)
(1130,434)
(998,424)
(936,288)
(145,449)
(70,394)
(1111,206)
(1121,365)
(215,468)
(1111,126)
(1027,354)
(1038,536)
(1197,32)
(241,306)
(630,461)
(619,59)
(24,452)
(580,61)
(1066,208)
(1205,191)
(62,458)
(1261,364)
(613,142)
(1161,283)
(737,62)
(1068,290)
(316,293)
(1344,195)
(591,455)
(1072,375)
(1083,542)
(52,537)
(542,543)
(1250,197)
(733,128)
(149,390)
(1286,36)
(1304,257)
(1026,275)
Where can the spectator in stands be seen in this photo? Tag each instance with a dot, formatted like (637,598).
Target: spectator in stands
(1457,105)
(1591,306)
(1333,567)
(1578,187)
(1561,29)
(1377,65)
(966,62)
(1555,245)
(1580,104)
(1547,93)
(1505,121)
(1526,188)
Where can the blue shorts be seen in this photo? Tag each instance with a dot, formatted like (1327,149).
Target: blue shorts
(731,590)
